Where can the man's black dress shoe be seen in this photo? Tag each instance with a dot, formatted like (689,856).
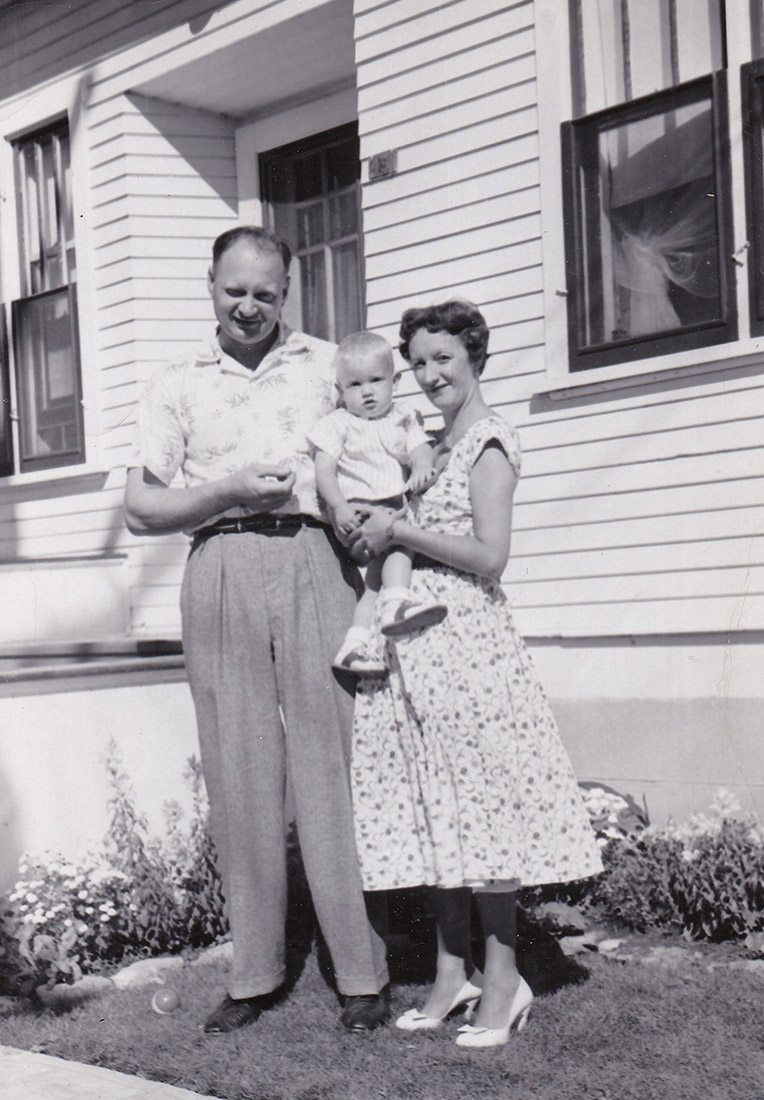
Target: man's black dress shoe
(365,1012)
(232,1014)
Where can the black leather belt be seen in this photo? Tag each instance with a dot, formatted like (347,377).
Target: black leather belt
(265,522)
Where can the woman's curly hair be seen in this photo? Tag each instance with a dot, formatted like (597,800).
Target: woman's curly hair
(456,316)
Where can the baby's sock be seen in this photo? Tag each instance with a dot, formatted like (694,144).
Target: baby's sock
(358,634)
(394,595)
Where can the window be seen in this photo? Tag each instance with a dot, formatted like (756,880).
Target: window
(311,191)
(753,126)
(46,347)
(647,181)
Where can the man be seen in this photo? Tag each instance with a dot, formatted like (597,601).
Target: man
(265,601)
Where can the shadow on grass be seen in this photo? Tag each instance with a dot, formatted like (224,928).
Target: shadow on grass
(411,938)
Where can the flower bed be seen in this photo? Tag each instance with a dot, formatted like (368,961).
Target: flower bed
(703,877)
(142,897)
(135,897)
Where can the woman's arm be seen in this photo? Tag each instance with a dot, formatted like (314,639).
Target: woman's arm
(152,508)
(492,484)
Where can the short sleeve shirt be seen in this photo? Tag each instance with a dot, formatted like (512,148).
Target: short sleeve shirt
(370,454)
(208,416)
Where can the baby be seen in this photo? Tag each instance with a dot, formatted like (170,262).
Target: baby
(363,451)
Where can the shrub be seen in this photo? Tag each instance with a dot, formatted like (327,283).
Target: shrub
(613,816)
(704,878)
(137,897)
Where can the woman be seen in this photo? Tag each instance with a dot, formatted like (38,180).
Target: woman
(460,779)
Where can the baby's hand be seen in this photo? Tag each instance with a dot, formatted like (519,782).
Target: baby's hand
(421,478)
(347,518)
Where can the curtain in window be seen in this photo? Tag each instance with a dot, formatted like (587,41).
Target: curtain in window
(672,244)
(659,224)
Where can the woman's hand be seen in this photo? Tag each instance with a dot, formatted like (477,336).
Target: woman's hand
(374,536)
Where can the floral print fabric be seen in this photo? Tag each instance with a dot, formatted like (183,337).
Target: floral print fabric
(459,774)
(208,416)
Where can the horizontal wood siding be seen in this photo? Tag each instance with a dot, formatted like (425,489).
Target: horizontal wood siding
(163,187)
(160,184)
(42,40)
(639,510)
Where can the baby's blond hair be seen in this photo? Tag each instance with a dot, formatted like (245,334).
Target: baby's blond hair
(363,344)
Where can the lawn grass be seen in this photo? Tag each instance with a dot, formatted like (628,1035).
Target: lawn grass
(630,1032)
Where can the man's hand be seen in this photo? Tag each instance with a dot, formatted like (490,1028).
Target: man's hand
(262,488)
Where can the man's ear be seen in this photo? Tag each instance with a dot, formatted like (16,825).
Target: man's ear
(285,291)
(210,279)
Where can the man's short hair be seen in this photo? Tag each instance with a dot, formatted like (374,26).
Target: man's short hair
(257,236)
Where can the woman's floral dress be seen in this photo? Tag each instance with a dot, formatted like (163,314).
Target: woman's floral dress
(459,774)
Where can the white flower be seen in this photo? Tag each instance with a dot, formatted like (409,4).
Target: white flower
(725,805)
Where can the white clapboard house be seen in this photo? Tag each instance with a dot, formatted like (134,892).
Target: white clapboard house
(591,172)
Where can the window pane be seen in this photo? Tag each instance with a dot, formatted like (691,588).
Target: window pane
(753,150)
(347,291)
(47,370)
(650,231)
(757,28)
(308,176)
(279,182)
(321,218)
(342,164)
(6,438)
(313,286)
(51,207)
(310,225)
(33,273)
(47,221)
(343,213)
(624,49)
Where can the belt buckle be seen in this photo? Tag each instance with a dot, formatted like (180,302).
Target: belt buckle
(281,522)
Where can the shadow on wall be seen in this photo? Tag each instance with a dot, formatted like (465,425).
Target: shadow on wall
(27,63)
(10,837)
(203,139)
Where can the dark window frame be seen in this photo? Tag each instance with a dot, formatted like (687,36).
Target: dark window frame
(6,433)
(60,280)
(752,89)
(65,456)
(574,147)
(270,159)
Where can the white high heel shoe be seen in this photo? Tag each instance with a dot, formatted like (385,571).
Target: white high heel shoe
(470,1036)
(414,1020)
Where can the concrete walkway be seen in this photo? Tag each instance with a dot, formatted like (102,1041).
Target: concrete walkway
(25,1076)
